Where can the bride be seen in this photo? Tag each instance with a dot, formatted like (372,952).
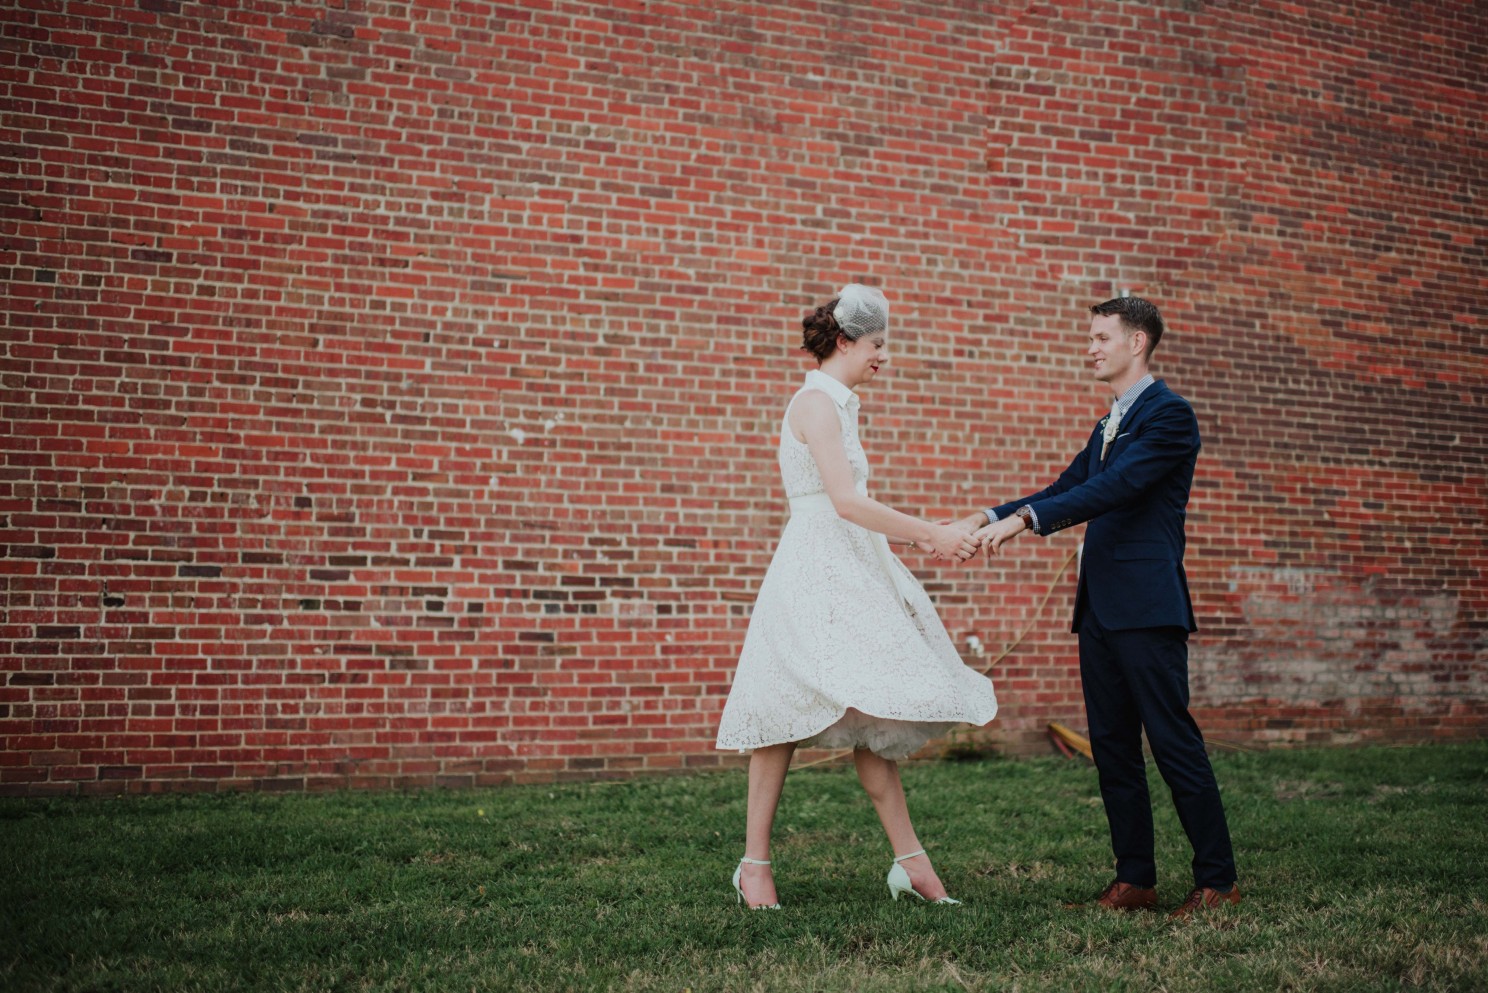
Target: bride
(844,648)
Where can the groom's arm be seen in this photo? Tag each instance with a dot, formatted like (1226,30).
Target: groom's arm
(1168,438)
(1071,477)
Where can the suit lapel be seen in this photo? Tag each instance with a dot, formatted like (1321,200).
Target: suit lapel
(1129,421)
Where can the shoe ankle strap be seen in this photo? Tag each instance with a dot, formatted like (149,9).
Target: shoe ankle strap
(746,860)
(902,858)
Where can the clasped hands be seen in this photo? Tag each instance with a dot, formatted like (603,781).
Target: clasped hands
(961,540)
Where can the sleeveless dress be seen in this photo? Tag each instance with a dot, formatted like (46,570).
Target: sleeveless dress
(844,648)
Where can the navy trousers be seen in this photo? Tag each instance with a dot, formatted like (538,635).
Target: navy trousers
(1134,681)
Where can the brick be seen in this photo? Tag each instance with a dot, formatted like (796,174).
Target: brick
(438,449)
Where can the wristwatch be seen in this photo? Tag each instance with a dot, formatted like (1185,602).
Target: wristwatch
(1025,512)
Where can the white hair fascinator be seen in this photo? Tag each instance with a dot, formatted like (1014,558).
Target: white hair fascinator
(861,311)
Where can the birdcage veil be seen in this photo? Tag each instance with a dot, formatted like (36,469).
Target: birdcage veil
(861,311)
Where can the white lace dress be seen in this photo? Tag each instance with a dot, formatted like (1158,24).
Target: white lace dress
(844,648)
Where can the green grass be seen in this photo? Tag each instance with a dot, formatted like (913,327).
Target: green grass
(1362,870)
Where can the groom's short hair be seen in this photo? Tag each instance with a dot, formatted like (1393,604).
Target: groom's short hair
(1136,315)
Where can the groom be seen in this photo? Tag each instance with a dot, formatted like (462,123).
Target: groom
(1132,608)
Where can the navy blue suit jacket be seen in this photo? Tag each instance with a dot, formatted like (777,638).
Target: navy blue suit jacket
(1131,573)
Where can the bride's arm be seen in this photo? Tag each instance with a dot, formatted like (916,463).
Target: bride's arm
(813,418)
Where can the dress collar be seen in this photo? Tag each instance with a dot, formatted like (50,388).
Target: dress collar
(840,393)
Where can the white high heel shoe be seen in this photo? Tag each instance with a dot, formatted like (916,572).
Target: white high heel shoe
(899,883)
(739,889)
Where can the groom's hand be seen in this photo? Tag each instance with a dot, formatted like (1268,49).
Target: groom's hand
(995,534)
(970,522)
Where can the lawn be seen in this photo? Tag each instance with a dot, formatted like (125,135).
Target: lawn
(1362,869)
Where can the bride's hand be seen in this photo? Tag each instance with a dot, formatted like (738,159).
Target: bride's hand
(929,549)
(950,542)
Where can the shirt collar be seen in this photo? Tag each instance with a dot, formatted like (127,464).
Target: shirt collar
(840,393)
(1124,402)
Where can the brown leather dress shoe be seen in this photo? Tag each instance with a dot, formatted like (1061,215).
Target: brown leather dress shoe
(1204,899)
(1123,896)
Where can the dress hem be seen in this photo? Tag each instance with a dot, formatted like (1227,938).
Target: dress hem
(945,725)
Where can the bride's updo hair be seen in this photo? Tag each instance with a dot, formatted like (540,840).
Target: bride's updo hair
(819,331)
(857,312)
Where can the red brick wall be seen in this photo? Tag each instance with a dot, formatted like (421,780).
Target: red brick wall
(390,390)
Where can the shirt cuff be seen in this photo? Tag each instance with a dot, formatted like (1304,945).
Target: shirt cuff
(991,515)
